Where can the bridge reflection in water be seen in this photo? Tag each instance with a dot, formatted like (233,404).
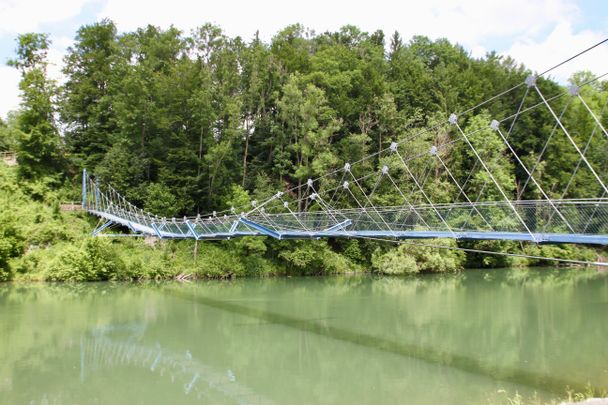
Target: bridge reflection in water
(108,347)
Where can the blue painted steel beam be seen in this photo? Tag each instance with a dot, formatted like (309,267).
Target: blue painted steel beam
(102,227)
(234,226)
(339,227)
(156,230)
(191,229)
(262,229)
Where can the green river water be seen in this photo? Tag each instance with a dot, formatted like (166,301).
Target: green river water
(474,337)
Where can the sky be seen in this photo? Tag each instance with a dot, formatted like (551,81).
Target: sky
(538,33)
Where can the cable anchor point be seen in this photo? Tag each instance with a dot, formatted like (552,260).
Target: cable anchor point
(574,90)
(530,81)
(453,119)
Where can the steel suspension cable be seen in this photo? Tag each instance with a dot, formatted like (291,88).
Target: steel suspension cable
(489,252)
(455,122)
(542,152)
(408,202)
(461,190)
(372,205)
(396,151)
(571,140)
(542,191)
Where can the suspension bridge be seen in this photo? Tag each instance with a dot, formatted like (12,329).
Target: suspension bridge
(349,202)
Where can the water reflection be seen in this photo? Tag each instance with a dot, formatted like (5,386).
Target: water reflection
(108,347)
(460,339)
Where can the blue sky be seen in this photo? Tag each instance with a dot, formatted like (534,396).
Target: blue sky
(538,33)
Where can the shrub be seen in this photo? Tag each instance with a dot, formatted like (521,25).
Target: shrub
(411,259)
(395,261)
(94,261)
(215,262)
(11,243)
(313,258)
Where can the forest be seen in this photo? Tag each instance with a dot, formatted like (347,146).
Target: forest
(186,123)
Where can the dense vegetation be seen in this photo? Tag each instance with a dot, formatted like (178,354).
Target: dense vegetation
(183,124)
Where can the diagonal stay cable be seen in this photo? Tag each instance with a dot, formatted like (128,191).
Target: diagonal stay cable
(576,168)
(296,217)
(543,150)
(473,206)
(511,127)
(496,127)
(571,140)
(593,214)
(454,120)
(597,121)
(412,208)
(362,211)
(428,200)
(578,164)
(324,205)
(371,204)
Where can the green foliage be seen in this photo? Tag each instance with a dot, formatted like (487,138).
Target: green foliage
(86,98)
(160,201)
(184,124)
(476,260)
(9,133)
(313,258)
(11,242)
(95,260)
(411,259)
(39,146)
(215,262)
(395,262)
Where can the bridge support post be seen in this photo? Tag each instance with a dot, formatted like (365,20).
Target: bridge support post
(84,188)
(96,194)
(191,229)
(102,227)
(156,230)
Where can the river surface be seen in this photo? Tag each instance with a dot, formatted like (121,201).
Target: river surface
(476,337)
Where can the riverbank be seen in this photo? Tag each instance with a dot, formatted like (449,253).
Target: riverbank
(40,242)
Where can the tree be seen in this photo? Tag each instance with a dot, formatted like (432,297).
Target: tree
(309,125)
(39,149)
(87,103)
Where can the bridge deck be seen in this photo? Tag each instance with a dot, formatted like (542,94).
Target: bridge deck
(249,230)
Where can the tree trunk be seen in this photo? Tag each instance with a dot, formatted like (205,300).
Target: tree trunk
(245,155)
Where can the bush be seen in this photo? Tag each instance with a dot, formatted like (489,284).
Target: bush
(395,261)
(411,259)
(215,262)
(11,243)
(94,261)
(313,258)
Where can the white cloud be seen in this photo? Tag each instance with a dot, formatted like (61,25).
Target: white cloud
(541,32)
(18,16)
(474,24)
(57,51)
(559,45)
(468,21)
(9,83)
